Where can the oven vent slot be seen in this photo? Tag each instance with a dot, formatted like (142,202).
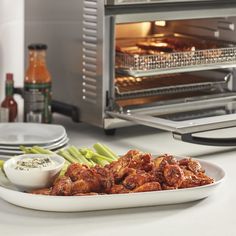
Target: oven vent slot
(89,52)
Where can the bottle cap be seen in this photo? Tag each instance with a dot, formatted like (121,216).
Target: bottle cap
(37,46)
(9,76)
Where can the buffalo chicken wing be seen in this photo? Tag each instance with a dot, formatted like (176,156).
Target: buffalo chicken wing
(134,172)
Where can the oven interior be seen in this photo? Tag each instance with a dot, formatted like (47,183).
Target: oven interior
(165,67)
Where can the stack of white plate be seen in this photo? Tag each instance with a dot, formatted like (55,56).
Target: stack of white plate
(13,135)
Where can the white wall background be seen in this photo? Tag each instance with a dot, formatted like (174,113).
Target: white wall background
(11,41)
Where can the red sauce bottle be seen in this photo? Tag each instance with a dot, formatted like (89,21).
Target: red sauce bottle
(37,87)
(9,101)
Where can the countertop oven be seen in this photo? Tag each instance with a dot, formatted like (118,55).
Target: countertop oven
(168,64)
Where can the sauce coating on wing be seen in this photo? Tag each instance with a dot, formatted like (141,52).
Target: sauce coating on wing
(62,186)
(173,175)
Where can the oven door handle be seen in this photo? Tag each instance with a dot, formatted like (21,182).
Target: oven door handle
(184,130)
(189,138)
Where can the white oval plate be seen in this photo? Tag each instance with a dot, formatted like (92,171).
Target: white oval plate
(15,134)
(112,201)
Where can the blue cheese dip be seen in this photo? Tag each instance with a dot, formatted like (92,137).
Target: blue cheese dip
(35,163)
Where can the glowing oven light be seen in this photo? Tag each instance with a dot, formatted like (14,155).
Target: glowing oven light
(161,23)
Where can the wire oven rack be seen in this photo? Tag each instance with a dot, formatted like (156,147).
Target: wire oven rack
(147,65)
(154,86)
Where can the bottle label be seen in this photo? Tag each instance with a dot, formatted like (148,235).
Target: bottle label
(9,88)
(37,102)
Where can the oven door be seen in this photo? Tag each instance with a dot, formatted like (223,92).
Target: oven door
(185,121)
(131,2)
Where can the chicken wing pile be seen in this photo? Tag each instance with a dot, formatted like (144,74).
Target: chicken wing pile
(133,172)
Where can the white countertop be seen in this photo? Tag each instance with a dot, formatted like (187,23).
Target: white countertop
(214,215)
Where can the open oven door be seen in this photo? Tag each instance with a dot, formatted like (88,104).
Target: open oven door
(186,125)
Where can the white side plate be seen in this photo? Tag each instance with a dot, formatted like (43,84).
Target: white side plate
(30,133)
(112,201)
(8,150)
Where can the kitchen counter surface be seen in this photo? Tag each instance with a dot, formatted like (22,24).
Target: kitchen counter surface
(214,215)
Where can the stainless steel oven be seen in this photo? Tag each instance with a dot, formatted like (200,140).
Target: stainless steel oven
(168,64)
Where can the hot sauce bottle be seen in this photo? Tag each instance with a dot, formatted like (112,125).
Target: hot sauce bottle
(37,87)
(9,101)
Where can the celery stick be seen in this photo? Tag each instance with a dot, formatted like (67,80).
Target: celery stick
(96,155)
(88,153)
(115,156)
(67,162)
(92,162)
(24,149)
(1,164)
(109,160)
(64,169)
(33,151)
(78,154)
(67,156)
(42,150)
(100,161)
(104,151)
(82,157)
(74,155)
